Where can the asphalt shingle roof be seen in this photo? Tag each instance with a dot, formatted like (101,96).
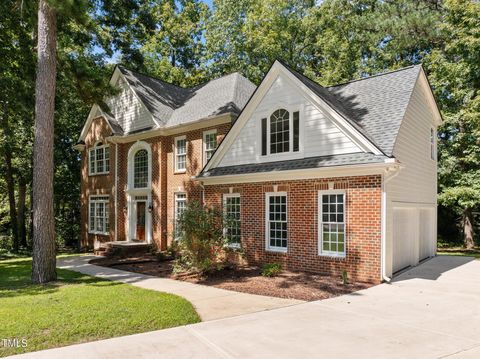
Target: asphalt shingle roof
(173,105)
(374,105)
(298,164)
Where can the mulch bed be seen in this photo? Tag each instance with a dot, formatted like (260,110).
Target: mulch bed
(291,285)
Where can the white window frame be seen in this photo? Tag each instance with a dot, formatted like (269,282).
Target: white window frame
(204,144)
(433,142)
(176,200)
(320,223)
(92,170)
(225,197)
(268,247)
(176,154)
(105,200)
(137,146)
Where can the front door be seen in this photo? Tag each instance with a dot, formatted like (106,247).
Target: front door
(141,214)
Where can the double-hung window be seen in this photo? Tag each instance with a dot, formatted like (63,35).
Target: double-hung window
(332,238)
(232,230)
(99,159)
(180,205)
(209,144)
(180,154)
(276,224)
(98,215)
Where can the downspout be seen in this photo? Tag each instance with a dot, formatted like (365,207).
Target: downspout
(116,192)
(386,177)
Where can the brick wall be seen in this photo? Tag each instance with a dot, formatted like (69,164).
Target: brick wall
(96,184)
(363,228)
(165,183)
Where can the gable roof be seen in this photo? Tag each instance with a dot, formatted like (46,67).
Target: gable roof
(173,105)
(377,104)
(374,107)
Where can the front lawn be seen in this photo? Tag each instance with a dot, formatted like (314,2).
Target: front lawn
(459,251)
(79,308)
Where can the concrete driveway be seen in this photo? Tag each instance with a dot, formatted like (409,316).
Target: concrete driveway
(432,311)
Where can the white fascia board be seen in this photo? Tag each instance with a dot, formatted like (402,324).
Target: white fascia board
(117,74)
(311,173)
(342,124)
(168,131)
(350,131)
(430,98)
(95,112)
(247,112)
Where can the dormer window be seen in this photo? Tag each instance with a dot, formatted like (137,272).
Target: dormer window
(99,159)
(281,132)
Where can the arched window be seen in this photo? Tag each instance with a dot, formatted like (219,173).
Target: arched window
(280,131)
(140,169)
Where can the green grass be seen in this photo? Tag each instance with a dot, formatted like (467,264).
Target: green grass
(459,251)
(79,308)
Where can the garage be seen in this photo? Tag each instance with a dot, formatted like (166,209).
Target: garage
(413,236)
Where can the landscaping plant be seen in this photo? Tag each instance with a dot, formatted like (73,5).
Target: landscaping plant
(271,269)
(200,239)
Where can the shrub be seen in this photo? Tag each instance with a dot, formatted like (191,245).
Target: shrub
(344,277)
(271,269)
(199,235)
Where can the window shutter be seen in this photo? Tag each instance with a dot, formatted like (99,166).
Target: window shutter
(264,136)
(296,131)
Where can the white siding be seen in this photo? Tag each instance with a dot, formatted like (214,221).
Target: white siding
(414,189)
(318,135)
(417,182)
(128,110)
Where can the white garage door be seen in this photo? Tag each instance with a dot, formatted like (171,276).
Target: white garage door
(405,231)
(413,236)
(427,240)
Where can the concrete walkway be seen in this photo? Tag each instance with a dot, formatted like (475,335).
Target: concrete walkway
(210,302)
(432,311)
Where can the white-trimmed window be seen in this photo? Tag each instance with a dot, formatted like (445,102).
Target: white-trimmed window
(180,206)
(140,169)
(231,209)
(99,159)
(433,154)
(332,238)
(180,154)
(280,132)
(209,144)
(98,215)
(276,223)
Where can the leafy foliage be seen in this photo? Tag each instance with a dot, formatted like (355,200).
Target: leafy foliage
(271,269)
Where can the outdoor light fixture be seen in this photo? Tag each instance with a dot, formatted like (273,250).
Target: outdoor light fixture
(150,208)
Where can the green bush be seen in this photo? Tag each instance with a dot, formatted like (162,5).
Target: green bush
(271,269)
(200,240)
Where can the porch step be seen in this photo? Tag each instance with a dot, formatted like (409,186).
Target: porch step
(123,249)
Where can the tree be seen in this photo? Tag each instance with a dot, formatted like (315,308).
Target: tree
(455,74)
(44,260)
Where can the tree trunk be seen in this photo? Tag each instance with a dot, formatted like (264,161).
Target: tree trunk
(468,241)
(43,266)
(22,195)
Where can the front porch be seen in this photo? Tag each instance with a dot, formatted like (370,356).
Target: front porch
(122,248)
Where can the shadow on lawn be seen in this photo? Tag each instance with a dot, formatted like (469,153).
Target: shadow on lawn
(15,280)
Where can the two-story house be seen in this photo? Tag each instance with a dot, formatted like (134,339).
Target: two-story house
(318,179)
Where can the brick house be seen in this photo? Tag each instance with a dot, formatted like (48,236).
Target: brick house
(318,179)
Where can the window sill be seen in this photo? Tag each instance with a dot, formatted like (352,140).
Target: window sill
(98,174)
(99,233)
(179,172)
(333,255)
(277,250)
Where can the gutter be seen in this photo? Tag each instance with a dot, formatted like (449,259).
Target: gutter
(308,173)
(388,175)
